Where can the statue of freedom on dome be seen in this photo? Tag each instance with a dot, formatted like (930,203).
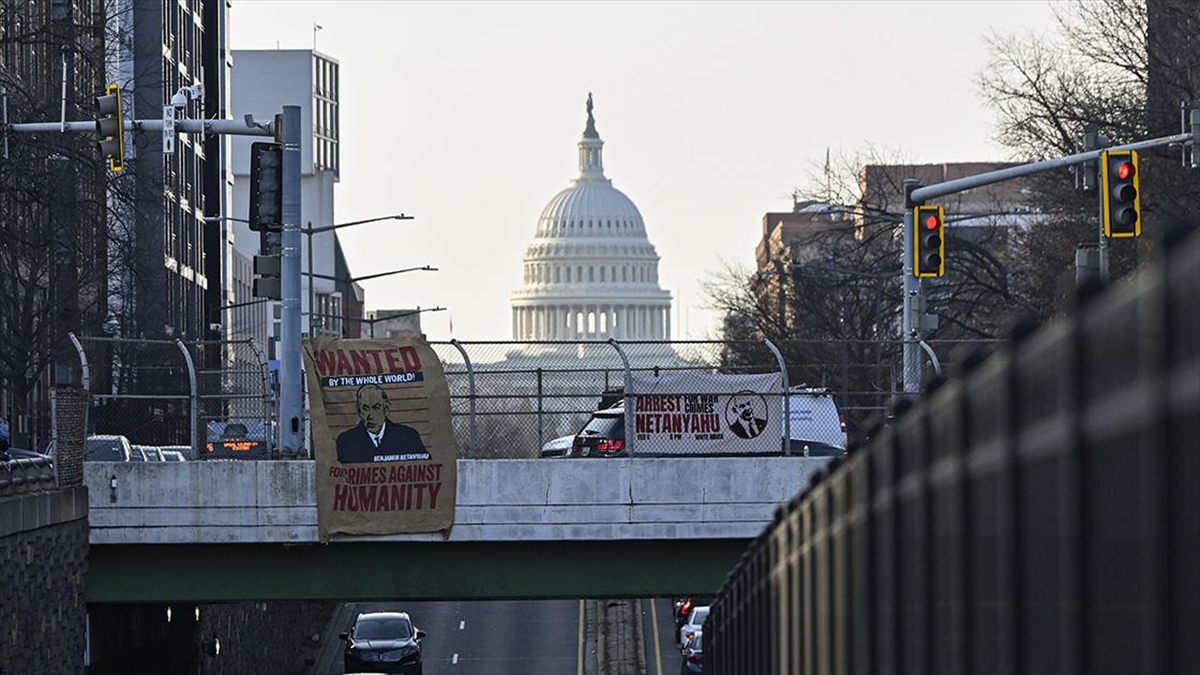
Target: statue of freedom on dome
(590,131)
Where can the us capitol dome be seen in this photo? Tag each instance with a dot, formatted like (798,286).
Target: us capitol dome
(591,272)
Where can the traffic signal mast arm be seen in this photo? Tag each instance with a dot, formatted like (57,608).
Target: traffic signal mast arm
(924,194)
(215,127)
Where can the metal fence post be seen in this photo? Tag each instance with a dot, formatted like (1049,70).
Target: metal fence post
(267,398)
(787,400)
(87,373)
(194,393)
(628,396)
(474,433)
(540,422)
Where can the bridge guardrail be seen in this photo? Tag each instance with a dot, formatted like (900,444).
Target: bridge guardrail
(1037,515)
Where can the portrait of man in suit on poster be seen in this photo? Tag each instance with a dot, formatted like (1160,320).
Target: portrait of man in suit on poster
(376,438)
(746,414)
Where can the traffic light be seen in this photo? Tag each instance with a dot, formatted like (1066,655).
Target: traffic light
(267,272)
(929,241)
(110,125)
(1121,203)
(266,216)
(266,187)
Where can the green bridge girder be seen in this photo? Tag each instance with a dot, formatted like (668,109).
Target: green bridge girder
(380,570)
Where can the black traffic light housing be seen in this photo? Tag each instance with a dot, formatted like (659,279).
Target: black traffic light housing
(929,241)
(1121,207)
(266,216)
(110,125)
(266,187)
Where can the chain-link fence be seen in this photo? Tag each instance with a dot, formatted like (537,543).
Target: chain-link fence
(525,399)
(171,393)
(234,388)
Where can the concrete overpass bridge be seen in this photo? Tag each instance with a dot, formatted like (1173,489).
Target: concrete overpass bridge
(235,530)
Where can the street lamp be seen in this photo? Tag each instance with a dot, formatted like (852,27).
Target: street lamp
(312,322)
(309,232)
(377,319)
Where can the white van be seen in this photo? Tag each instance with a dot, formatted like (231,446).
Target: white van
(817,428)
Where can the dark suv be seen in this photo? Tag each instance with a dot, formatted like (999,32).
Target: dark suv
(603,436)
(383,642)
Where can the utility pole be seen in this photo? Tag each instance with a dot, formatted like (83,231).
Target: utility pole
(291,384)
(912,297)
(1091,260)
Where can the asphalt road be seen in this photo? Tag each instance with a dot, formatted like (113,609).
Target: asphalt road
(658,636)
(526,637)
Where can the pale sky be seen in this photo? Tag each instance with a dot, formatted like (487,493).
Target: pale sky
(467,115)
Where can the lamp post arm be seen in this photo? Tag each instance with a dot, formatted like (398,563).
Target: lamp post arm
(318,275)
(329,228)
(404,314)
(425,268)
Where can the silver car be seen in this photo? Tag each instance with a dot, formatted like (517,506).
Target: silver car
(695,623)
(558,447)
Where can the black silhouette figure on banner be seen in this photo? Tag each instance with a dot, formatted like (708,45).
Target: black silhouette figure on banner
(376,438)
(743,414)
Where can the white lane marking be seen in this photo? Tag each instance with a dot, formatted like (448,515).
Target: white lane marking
(462,624)
(454,661)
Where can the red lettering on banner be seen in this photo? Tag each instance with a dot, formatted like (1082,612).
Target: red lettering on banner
(658,403)
(361,364)
(374,498)
(676,423)
(326,362)
(412,360)
(367,361)
(393,360)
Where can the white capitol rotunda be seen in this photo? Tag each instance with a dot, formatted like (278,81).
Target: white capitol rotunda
(591,273)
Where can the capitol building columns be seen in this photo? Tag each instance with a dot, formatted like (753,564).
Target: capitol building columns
(599,320)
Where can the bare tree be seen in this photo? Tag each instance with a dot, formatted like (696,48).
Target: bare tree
(833,301)
(61,216)
(1099,67)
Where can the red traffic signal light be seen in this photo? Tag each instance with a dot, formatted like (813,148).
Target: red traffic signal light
(929,241)
(1119,183)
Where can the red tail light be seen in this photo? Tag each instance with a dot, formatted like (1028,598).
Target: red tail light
(611,445)
(842,421)
(686,607)
(693,658)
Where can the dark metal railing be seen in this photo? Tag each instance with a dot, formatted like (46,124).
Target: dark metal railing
(1038,515)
